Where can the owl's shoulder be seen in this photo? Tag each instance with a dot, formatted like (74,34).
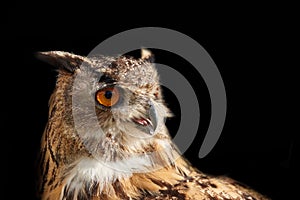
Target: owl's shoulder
(200,186)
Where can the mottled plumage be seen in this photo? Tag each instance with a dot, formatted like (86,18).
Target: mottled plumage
(133,156)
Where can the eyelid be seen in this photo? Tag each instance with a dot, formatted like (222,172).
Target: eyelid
(102,86)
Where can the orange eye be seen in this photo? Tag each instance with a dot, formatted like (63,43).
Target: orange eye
(108,96)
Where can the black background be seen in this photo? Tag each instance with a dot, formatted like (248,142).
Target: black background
(257,145)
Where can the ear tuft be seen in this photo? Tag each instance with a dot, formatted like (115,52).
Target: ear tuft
(147,55)
(62,60)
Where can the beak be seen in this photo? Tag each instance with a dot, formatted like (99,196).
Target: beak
(155,119)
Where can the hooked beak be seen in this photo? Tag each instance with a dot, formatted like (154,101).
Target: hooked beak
(151,123)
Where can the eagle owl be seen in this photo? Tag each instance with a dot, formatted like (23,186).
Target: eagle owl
(127,153)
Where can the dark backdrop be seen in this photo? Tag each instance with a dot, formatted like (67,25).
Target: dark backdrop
(257,145)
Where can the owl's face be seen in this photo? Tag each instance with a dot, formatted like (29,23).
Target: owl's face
(127,94)
(122,92)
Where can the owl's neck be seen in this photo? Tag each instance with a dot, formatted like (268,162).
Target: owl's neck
(131,174)
(106,171)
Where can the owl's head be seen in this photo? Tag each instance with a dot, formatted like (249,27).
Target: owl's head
(114,103)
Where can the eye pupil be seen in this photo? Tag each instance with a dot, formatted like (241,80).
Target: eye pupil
(108,94)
